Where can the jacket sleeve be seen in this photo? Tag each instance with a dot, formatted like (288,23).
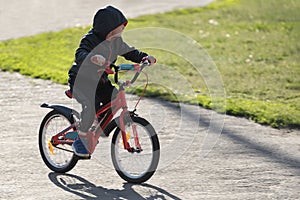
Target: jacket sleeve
(131,53)
(84,50)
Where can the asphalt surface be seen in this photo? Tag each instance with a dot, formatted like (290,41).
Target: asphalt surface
(23,18)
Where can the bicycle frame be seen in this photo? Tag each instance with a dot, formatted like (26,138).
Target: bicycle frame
(117,104)
(111,108)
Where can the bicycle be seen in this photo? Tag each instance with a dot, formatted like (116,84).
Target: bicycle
(135,148)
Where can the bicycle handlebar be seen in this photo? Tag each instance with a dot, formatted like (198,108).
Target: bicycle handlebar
(128,67)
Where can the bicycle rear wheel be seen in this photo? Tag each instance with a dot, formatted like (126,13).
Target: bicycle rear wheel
(137,166)
(58,158)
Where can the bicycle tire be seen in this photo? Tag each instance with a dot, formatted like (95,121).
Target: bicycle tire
(69,160)
(155,150)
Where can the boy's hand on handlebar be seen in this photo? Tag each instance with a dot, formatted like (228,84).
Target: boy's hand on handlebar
(150,59)
(98,60)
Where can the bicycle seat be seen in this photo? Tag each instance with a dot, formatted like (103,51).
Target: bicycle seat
(69,94)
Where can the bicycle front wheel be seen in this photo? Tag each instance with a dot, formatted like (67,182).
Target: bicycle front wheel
(137,166)
(58,158)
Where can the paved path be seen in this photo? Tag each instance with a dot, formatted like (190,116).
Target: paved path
(247,161)
(23,18)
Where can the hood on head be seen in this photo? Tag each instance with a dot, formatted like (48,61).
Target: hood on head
(107,19)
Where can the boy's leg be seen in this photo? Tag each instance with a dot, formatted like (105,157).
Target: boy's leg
(81,144)
(88,111)
(106,92)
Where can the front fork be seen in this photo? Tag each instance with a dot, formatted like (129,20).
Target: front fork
(125,138)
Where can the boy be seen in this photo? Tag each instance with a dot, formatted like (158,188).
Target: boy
(88,77)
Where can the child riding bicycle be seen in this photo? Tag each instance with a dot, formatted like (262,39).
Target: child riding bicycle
(88,76)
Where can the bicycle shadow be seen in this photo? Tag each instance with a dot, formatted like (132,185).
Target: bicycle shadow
(87,190)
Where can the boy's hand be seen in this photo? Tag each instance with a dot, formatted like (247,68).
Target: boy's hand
(150,59)
(98,60)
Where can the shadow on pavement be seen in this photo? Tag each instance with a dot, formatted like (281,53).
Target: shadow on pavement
(87,190)
(217,129)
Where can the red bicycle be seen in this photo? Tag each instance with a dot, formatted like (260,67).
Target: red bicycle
(135,148)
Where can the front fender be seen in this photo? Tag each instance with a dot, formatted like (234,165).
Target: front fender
(68,112)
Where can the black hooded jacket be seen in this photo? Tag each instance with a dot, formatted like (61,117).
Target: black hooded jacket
(94,42)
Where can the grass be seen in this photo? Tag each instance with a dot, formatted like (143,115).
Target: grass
(253,43)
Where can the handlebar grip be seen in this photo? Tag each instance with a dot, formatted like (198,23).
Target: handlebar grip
(137,67)
(126,67)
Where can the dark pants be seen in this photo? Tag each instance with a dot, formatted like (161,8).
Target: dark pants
(92,99)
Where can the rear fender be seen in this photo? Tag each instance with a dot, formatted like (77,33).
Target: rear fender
(67,112)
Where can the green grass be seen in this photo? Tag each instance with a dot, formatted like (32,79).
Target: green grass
(46,56)
(255,45)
